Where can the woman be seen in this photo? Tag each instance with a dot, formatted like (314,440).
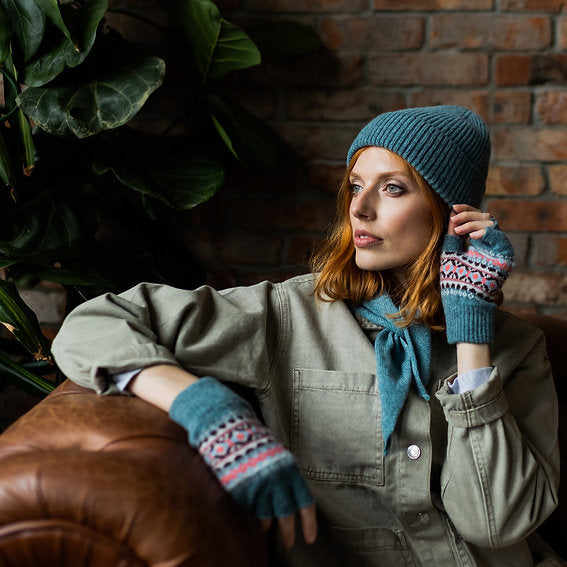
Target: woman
(421,420)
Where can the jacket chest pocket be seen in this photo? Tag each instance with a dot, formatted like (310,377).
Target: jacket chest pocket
(336,434)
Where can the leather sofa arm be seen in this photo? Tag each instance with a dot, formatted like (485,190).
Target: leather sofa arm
(101,481)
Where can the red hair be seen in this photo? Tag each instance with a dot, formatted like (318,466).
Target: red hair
(341,279)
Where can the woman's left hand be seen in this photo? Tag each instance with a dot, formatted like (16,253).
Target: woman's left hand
(468,221)
(476,259)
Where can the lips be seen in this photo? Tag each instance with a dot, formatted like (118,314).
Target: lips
(362,238)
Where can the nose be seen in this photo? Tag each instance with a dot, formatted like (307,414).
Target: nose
(362,206)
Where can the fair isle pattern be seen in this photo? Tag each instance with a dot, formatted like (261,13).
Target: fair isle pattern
(239,449)
(474,273)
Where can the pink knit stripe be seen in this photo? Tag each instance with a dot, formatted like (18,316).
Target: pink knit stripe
(234,473)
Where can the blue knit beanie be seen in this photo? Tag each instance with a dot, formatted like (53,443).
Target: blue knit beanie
(448,145)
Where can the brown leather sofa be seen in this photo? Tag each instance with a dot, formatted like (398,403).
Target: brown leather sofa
(110,481)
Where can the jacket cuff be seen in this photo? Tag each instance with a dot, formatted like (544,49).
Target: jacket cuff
(476,407)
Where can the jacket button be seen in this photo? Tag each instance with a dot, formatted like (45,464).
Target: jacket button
(423,519)
(414,452)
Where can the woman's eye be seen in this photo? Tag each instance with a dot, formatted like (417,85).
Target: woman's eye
(355,188)
(394,189)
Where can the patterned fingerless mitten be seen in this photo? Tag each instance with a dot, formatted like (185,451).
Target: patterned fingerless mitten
(259,473)
(471,282)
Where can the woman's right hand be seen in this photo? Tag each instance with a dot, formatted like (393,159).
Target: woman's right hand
(476,259)
(251,465)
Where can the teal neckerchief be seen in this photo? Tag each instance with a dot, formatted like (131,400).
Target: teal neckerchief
(402,354)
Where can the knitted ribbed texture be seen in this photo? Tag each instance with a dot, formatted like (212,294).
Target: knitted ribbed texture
(402,356)
(448,145)
(471,282)
(258,472)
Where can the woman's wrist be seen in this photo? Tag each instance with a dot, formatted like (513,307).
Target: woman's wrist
(161,384)
(472,356)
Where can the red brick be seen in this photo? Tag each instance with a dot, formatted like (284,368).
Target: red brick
(537,69)
(538,288)
(525,143)
(548,69)
(326,177)
(492,31)
(341,105)
(429,69)
(512,70)
(260,102)
(432,4)
(235,247)
(343,6)
(511,107)
(368,33)
(330,141)
(286,215)
(300,249)
(520,245)
(562,33)
(476,100)
(549,251)
(530,216)
(515,180)
(317,69)
(552,6)
(551,107)
(558,179)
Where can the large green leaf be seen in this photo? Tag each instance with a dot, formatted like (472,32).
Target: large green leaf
(7,173)
(68,49)
(50,227)
(255,144)
(160,169)
(23,378)
(235,50)
(22,322)
(27,22)
(201,22)
(6,262)
(51,9)
(64,276)
(108,100)
(5,35)
(285,38)
(218,45)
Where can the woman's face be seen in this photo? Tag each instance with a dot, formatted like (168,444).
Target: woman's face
(389,214)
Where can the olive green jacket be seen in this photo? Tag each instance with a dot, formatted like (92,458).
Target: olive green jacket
(468,477)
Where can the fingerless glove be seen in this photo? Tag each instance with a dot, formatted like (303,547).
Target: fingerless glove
(260,474)
(471,283)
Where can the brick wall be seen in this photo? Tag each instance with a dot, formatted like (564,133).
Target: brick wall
(505,59)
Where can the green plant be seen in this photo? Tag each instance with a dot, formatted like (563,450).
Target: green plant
(73,169)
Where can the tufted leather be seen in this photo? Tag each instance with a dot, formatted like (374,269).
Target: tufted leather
(111,481)
(104,481)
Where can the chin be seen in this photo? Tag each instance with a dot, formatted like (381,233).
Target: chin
(373,264)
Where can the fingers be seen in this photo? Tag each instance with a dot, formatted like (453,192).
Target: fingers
(309,523)
(287,530)
(287,526)
(468,221)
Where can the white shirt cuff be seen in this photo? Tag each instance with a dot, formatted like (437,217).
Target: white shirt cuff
(470,380)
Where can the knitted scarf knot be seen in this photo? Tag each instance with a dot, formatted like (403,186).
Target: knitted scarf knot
(402,354)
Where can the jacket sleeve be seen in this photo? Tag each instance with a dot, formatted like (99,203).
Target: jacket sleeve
(501,474)
(229,335)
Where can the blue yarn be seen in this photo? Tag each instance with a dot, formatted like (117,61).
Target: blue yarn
(403,354)
(448,145)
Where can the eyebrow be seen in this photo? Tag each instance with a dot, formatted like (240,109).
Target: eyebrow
(355,175)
